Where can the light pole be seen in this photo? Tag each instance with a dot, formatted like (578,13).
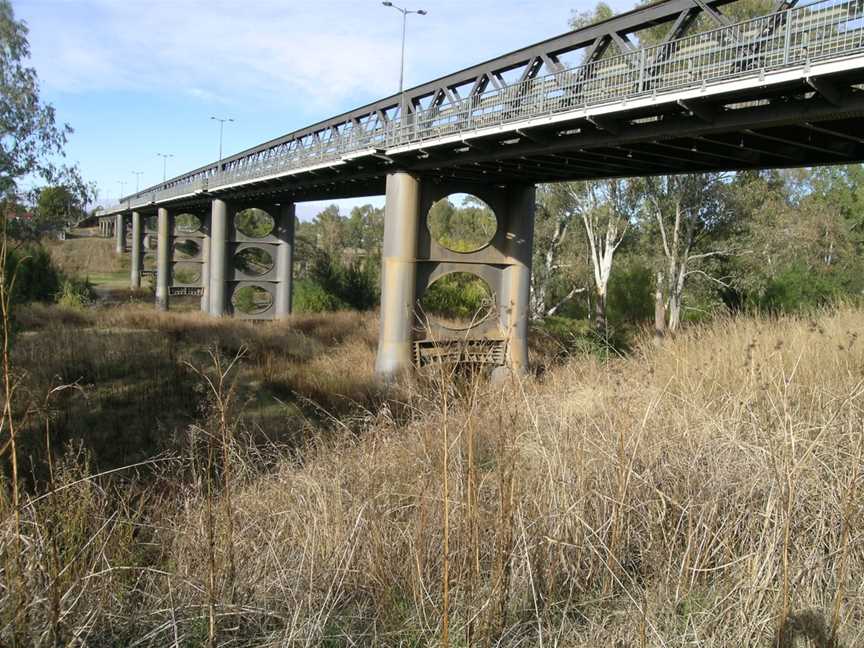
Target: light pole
(221,121)
(122,184)
(165,157)
(137,175)
(404,12)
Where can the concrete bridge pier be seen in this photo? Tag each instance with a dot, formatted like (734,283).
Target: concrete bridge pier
(517,284)
(398,274)
(106,227)
(217,262)
(205,270)
(120,233)
(413,260)
(163,257)
(137,252)
(285,260)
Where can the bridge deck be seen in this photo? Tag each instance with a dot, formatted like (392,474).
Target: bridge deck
(777,91)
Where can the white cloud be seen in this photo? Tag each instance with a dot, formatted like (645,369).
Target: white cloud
(322,52)
(262,49)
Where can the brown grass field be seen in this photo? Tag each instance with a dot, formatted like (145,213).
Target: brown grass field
(223,483)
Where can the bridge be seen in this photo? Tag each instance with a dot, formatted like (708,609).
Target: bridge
(779,90)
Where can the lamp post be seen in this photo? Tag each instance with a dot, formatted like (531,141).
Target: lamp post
(137,175)
(165,157)
(221,121)
(122,184)
(405,13)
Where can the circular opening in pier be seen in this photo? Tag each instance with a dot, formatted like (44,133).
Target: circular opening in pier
(254,223)
(462,223)
(253,261)
(251,300)
(187,274)
(458,301)
(187,223)
(186,249)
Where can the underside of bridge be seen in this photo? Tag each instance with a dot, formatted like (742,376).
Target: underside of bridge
(783,90)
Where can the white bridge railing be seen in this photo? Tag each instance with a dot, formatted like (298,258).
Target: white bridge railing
(792,38)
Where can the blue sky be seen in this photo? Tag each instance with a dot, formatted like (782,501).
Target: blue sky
(136,78)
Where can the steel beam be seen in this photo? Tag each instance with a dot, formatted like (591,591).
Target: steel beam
(163,258)
(399,274)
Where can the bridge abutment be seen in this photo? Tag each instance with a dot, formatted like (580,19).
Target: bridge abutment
(413,260)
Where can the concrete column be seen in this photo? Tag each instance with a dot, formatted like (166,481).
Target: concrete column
(399,274)
(163,258)
(205,271)
(120,233)
(218,252)
(137,257)
(517,279)
(285,261)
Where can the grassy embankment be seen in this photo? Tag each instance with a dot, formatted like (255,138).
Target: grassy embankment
(708,492)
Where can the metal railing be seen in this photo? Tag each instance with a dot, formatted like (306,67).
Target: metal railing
(795,37)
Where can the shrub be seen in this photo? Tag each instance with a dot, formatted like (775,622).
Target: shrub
(797,289)
(36,276)
(311,297)
(75,293)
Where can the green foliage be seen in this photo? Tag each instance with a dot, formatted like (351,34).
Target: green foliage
(251,300)
(796,289)
(186,223)
(187,274)
(186,248)
(310,297)
(355,285)
(254,261)
(31,139)
(254,223)
(631,293)
(35,276)
(462,228)
(458,295)
(37,279)
(75,293)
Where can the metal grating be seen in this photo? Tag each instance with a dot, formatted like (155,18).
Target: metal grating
(478,352)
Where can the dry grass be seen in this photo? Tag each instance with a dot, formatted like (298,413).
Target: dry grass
(87,255)
(705,493)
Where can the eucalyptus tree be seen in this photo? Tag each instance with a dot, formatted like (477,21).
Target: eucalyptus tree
(30,137)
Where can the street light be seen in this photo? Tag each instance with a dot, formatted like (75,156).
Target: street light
(404,12)
(221,121)
(122,184)
(137,175)
(165,157)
